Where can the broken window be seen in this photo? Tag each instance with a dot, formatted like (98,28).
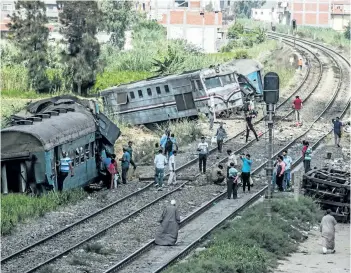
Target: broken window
(122,98)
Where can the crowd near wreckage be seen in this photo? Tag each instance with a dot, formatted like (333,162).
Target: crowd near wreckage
(332,190)
(223,89)
(34,144)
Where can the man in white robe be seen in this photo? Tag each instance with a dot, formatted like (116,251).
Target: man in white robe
(327,228)
(167,234)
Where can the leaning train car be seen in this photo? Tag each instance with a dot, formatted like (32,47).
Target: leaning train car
(33,144)
(178,96)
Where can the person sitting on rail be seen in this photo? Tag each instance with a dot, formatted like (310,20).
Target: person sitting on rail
(217,175)
(167,234)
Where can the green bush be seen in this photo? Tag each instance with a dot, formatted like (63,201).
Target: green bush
(253,244)
(16,208)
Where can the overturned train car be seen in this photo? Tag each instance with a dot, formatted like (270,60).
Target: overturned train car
(34,142)
(224,88)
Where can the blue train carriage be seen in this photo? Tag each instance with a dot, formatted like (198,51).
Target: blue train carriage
(252,71)
(34,143)
(156,99)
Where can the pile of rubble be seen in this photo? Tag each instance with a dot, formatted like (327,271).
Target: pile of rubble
(331,188)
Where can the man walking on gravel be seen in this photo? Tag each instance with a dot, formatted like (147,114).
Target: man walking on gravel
(306,155)
(245,171)
(125,165)
(231,159)
(172,175)
(249,125)
(130,151)
(202,148)
(327,228)
(221,134)
(167,234)
(337,130)
(232,182)
(280,172)
(297,105)
(288,161)
(160,162)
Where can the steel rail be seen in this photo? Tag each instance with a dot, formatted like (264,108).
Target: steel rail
(137,192)
(196,213)
(51,236)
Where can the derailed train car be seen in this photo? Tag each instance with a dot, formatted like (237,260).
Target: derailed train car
(185,95)
(34,142)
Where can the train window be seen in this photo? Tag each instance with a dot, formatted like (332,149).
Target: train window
(212,82)
(140,93)
(166,88)
(149,92)
(87,150)
(193,87)
(158,90)
(232,78)
(199,85)
(132,95)
(225,79)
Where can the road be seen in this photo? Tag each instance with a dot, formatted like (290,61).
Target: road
(310,260)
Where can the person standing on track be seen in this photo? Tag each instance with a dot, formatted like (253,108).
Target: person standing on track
(160,162)
(249,125)
(280,172)
(232,182)
(306,155)
(172,168)
(221,134)
(288,161)
(297,105)
(245,171)
(202,148)
(231,159)
(337,130)
(163,140)
(125,165)
(327,229)
(300,64)
(130,151)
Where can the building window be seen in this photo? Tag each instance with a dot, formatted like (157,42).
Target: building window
(132,95)
(140,93)
(6,7)
(166,88)
(149,91)
(158,90)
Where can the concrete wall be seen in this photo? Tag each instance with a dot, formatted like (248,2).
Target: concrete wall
(339,22)
(311,12)
(265,15)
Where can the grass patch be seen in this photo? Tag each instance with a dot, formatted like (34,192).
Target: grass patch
(16,208)
(253,244)
(326,35)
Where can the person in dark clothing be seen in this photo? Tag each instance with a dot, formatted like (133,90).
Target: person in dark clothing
(65,167)
(245,171)
(249,125)
(306,155)
(280,172)
(130,151)
(203,153)
(337,130)
(125,165)
(217,175)
(232,182)
(221,134)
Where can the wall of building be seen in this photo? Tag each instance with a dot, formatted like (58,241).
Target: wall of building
(311,12)
(265,15)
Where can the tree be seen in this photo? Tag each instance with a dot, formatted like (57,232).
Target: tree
(235,31)
(169,64)
(243,8)
(30,36)
(347,32)
(80,20)
(209,7)
(118,16)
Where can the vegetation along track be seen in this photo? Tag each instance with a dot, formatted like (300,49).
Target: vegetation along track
(137,261)
(121,213)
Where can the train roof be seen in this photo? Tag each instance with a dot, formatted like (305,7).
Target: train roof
(55,125)
(246,66)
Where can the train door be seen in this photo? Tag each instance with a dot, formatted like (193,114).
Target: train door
(55,166)
(185,101)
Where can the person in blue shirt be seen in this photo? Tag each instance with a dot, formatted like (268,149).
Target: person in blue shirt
(163,140)
(66,167)
(288,161)
(245,171)
(125,164)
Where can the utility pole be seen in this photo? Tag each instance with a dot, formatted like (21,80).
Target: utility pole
(271,97)
(293,30)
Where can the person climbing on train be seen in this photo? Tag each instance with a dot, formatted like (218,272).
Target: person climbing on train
(66,167)
(306,155)
(287,173)
(130,151)
(337,125)
(249,125)
(232,182)
(221,134)
(300,64)
(231,159)
(246,171)
(297,105)
(217,175)
(280,172)
(202,148)
(125,164)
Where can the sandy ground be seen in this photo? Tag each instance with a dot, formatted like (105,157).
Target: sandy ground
(310,260)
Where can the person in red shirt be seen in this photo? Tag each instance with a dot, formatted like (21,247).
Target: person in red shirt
(112,172)
(297,105)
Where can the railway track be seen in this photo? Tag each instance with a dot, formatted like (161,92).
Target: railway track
(106,209)
(143,254)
